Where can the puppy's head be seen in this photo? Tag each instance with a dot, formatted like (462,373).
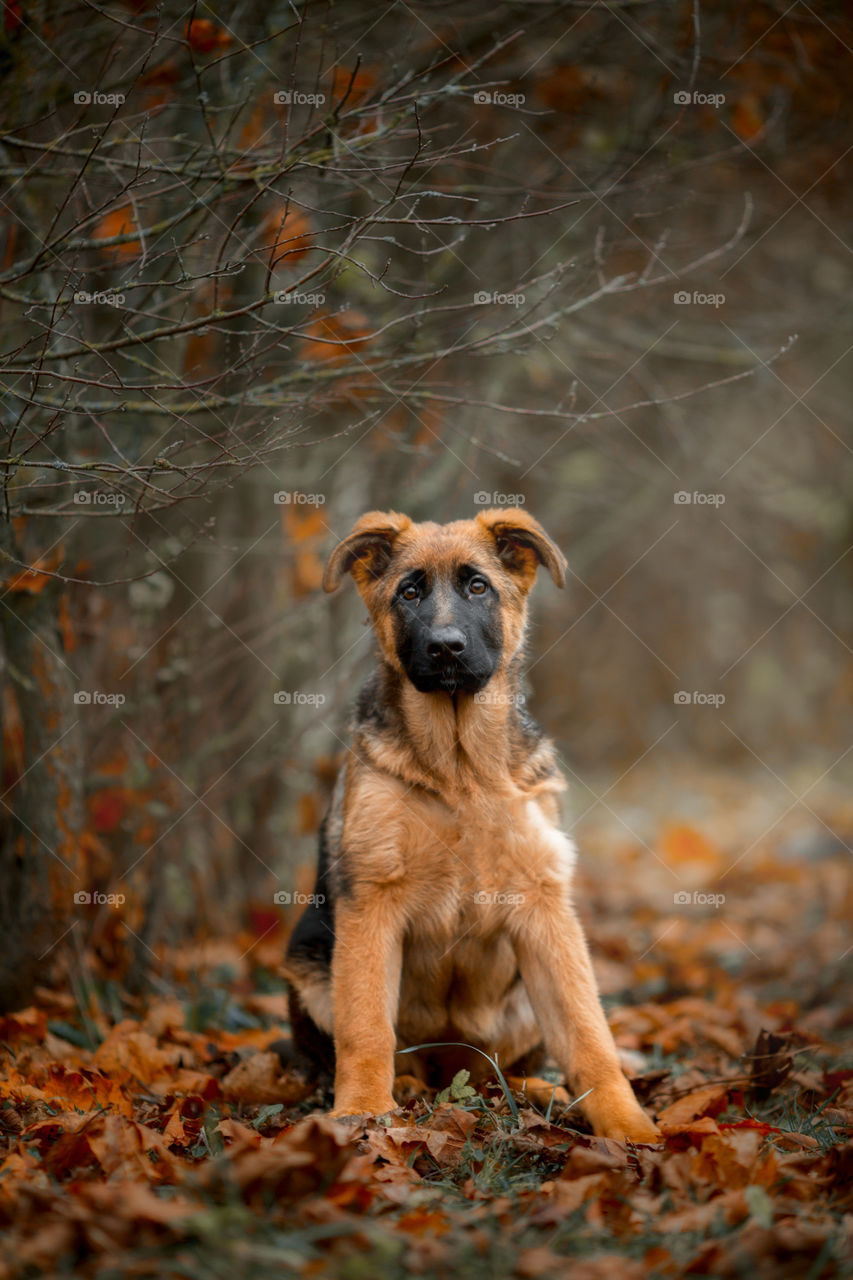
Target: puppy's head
(448,602)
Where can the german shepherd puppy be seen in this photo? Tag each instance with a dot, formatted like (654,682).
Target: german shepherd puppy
(443,905)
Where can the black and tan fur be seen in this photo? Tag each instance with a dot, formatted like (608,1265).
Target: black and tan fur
(445,880)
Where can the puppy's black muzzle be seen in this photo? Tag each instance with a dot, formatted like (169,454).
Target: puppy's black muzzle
(448,640)
(443,659)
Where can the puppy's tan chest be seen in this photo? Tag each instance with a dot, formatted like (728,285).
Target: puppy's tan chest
(469,867)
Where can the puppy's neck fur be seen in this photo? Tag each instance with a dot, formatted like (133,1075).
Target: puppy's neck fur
(456,745)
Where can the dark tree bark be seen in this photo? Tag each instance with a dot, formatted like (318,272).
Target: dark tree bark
(40,814)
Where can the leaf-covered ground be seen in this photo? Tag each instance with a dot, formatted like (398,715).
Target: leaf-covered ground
(159,1135)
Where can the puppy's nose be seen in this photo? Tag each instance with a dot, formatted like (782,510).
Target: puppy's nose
(445,642)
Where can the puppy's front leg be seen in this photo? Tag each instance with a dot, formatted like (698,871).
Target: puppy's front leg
(557,971)
(366,968)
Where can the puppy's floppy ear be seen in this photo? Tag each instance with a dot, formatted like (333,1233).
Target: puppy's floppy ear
(522,544)
(366,552)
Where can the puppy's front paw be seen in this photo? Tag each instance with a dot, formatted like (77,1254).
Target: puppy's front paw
(636,1127)
(619,1115)
(356,1108)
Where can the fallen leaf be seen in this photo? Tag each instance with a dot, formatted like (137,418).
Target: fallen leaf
(709,1100)
(260,1078)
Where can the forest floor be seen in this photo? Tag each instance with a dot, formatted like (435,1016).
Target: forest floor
(158,1135)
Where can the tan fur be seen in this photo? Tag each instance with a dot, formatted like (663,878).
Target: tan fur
(433,822)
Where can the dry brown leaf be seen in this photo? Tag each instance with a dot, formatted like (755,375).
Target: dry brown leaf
(130,1053)
(261,1078)
(564,1198)
(729,1207)
(298,1162)
(239,1136)
(709,1100)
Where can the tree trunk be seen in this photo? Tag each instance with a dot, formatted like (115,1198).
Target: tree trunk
(40,813)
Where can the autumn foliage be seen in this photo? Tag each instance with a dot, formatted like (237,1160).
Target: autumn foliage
(139,1131)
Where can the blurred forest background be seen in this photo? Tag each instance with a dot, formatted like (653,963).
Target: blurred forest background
(264,267)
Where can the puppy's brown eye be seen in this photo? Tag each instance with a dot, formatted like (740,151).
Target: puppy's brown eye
(478,586)
(409,592)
